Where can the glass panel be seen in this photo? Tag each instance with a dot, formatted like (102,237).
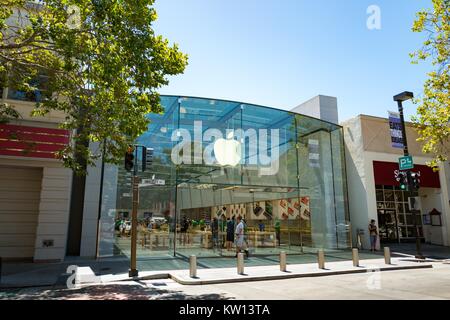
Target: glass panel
(403,233)
(410,219)
(379,195)
(388,195)
(390,205)
(315,158)
(399,207)
(398,196)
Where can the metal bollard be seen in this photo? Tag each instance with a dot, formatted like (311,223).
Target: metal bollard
(321,259)
(193,266)
(283,261)
(355,256)
(387,255)
(240,263)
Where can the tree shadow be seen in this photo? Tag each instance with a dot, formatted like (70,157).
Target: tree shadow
(106,292)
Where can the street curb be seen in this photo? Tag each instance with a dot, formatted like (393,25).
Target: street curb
(290,276)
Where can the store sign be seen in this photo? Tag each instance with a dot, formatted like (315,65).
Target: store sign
(152,182)
(395,126)
(386,173)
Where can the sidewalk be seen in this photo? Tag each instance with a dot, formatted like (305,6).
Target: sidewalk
(116,269)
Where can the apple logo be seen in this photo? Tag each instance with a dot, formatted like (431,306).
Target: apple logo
(228,151)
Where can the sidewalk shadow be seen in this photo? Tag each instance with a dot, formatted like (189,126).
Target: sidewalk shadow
(106,292)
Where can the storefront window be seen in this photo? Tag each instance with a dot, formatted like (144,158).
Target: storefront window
(396,222)
(283,173)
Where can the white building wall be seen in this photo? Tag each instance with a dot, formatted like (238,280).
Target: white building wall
(88,246)
(356,178)
(53,214)
(444,176)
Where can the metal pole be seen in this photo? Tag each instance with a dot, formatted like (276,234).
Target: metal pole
(355,256)
(133,272)
(387,255)
(408,173)
(240,263)
(321,259)
(193,266)
(283,261)
(419,254)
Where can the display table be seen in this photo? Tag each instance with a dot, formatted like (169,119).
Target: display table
(258,238)
(156,237)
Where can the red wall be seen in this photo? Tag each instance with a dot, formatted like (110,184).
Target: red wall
(35,142)
(385,174)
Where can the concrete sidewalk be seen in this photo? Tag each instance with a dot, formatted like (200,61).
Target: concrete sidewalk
(260,273)
(16,275)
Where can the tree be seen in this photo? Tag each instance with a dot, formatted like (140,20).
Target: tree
(433,119)
(98,61)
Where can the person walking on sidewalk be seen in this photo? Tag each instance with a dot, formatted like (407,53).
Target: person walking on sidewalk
(373,234)
(239,237)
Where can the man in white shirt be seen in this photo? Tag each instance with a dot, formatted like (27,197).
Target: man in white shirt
(239,237)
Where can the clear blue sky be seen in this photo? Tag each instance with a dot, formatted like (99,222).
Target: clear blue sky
(280,53)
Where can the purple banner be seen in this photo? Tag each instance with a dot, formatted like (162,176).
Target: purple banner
(395,126)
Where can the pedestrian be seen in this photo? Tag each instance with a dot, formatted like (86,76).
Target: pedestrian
(277,228)
(239,237)
(230,233)
(373,233)
(215,232)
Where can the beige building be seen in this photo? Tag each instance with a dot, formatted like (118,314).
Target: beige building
(374,192)
(34,187)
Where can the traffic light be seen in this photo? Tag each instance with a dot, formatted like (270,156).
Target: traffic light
(403,179)
(415,182)
(129,158)
(147,158)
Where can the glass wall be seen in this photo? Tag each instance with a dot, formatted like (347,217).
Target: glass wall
(215,161)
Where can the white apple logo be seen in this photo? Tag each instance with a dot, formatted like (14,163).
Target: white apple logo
(228,151)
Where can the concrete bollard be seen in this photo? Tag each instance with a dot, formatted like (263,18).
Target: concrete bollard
(355,257)
(321,259)
(240,263)
(283,261)
(193,266)
(387,255)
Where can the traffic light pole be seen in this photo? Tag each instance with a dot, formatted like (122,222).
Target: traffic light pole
(133,272)
(408,174)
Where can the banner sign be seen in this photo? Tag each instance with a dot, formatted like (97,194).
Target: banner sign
(395,126)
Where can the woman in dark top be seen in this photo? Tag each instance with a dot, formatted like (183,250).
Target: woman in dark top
(230,233)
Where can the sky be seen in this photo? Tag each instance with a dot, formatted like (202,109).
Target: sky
(280,53)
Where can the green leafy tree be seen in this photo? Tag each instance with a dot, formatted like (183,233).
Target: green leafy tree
(98,61)
(433,119)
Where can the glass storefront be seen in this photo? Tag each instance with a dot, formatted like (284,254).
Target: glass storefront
(214,160)
(395,219)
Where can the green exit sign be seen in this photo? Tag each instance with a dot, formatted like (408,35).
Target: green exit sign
(406,163)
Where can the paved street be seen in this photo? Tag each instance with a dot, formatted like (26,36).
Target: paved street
(421,284)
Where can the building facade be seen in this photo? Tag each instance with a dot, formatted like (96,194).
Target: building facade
(34,186)
(372,173)
(214,160)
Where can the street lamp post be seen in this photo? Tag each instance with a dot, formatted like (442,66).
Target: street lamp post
(404,96)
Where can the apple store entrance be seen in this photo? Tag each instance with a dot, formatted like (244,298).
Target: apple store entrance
(274,219)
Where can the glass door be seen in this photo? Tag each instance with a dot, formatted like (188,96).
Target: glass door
(388,225)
